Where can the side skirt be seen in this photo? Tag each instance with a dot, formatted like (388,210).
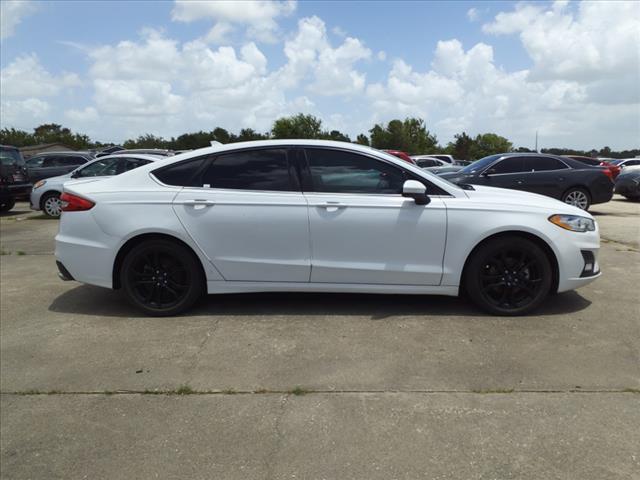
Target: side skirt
(249,287)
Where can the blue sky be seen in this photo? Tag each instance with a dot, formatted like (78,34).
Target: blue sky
(120,69)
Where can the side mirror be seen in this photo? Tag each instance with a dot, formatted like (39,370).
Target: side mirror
(489,171)
(417,191)
(75,175)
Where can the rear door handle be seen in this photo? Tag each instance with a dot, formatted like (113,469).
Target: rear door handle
(199,201)
(331,206)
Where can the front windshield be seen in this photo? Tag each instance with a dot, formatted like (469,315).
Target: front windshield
(480,165)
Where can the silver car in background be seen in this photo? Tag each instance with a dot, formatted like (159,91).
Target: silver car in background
(45,195)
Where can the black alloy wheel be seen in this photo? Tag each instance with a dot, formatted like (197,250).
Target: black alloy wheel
(161,277)
(508,276)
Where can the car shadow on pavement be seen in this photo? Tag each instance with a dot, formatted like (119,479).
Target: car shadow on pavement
(88,300)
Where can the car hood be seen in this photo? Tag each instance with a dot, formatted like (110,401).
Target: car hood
(508,198)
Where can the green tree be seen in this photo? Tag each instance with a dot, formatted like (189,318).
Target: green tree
(146,141)
(337,136)
(223,136)
(297,126)
(190,141)
(17,138)
(247,134)
(461,148)
(489,144)
(362,139)
(410,136)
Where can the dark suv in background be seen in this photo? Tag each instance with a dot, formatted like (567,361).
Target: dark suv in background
(563,178)
(52,164)
(14,181)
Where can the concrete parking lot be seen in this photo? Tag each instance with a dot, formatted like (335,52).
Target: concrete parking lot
(317,386)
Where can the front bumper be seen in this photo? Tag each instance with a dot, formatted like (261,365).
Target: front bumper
(577,257)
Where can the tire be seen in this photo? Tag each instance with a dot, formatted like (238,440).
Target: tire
(50,204)
(578,197)
(508,276)
(7,204)
(161,278)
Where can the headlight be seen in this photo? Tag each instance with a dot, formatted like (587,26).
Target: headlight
(39,183)
(573,223)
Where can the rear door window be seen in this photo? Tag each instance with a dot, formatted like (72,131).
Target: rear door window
(264,169)
(542,164)
(508,165)
(183,174)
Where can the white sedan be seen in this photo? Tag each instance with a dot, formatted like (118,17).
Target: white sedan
(317,216)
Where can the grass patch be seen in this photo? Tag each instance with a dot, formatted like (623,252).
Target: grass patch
(631,390)
(494,390)
(229,391)
(298,390)
(4,252)
(184,390)
(261,390)
(41,217)
(20,252)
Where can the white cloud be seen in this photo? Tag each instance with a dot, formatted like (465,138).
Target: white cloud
(259,16)
(598,41)
(26,77)
(382,55)
(11,14)
(22,113)
(331,69)
(473,14)
(219,33)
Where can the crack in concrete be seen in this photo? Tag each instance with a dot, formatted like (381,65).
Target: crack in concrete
(270,463)
(288,393)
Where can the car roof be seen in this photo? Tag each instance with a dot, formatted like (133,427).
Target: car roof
(82,154)
(141,156)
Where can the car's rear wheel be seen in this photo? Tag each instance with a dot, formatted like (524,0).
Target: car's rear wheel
(51,204)
(508,276)
(7,205)
(578,197)
(161,277)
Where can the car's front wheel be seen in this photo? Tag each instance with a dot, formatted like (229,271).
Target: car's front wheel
(508,276)
(161,277)
(578,197)
(51,204)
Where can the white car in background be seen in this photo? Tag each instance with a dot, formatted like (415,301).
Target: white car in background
(45,194)
(317,216)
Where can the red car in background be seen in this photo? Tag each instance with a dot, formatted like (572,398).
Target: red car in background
(400,154)
(614,169)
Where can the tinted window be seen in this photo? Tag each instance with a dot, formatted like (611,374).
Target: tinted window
(508,165)
(183,174)
(541,164)
(345,172)
(98,168)
(630,163)
(249,170)
(131,163)
(480,165)
(71,161)
(35,162)
(425,162)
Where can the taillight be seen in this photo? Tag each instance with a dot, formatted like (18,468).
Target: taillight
(74,203)
(608,173)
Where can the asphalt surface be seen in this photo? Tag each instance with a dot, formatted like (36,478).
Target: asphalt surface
(316,385)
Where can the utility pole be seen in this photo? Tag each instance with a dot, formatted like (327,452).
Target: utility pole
(537,142)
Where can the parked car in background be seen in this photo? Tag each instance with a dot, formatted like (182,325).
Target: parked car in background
(400,154)
(628,183)
(563,178)
(317,216)
(444,158)
(594,162)
(52,164)
(626,162)
(425,161)
(444,169)
(14,181)
(46,193)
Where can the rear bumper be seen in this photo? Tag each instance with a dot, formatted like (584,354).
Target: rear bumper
(602,191)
